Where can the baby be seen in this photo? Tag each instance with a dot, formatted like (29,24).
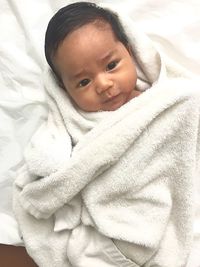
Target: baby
(116,187)
(89,51)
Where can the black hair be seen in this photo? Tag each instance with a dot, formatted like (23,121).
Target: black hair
(73,16)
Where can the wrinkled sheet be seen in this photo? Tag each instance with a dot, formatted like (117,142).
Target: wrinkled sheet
(173,25)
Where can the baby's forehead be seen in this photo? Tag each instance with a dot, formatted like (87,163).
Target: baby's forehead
(92,43)
(98,24)
(93,35)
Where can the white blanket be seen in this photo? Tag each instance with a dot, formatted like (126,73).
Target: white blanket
(131,175)
(173,25)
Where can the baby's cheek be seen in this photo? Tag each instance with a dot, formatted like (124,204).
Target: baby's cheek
(137,93)
(88,103)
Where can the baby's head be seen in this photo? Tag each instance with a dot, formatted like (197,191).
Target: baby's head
(90,53)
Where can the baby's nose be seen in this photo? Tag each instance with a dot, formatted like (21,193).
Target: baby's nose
(104,83)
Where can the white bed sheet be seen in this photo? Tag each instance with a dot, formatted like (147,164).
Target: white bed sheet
(174,25)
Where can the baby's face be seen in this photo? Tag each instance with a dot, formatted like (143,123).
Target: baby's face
(97,70)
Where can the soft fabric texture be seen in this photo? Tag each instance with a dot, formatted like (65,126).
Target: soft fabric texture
(129,180)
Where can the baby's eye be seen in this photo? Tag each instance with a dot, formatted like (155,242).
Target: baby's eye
(111,65)
(84,82)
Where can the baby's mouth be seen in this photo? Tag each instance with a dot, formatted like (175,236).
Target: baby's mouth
(112,98)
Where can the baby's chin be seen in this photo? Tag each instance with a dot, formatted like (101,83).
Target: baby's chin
(120,100)
(114,104)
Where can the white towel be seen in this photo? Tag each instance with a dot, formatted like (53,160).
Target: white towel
(130,175)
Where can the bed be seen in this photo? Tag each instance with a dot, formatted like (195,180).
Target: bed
(173,25)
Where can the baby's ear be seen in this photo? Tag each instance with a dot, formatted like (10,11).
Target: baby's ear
(60,83)
(57,79)
(130,49)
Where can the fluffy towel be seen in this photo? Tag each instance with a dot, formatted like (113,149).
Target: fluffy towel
(130,175)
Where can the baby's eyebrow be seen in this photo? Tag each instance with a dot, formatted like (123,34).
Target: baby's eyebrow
(78,74)
(107,55)
(103,58)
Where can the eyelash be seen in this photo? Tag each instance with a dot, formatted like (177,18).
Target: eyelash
(115,64)
(85,82)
